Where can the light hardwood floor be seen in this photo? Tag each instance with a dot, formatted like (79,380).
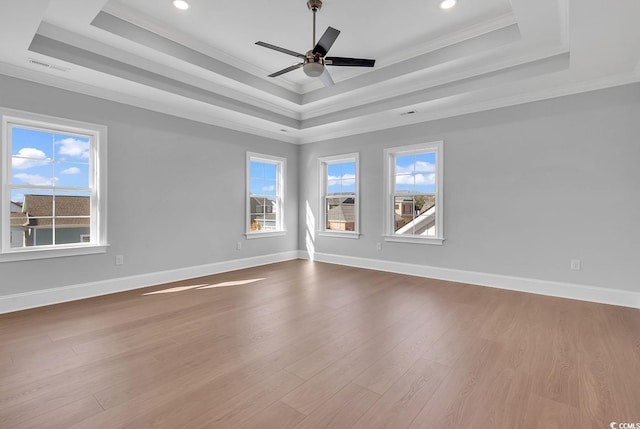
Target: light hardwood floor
(310,345)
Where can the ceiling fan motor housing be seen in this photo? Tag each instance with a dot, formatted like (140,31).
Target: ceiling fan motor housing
(314,5)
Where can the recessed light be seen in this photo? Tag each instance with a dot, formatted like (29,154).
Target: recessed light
(181,4)
(447,4)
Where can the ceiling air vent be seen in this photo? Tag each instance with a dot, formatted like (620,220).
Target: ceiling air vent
(47,65)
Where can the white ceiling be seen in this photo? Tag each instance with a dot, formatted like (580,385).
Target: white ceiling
(202,63)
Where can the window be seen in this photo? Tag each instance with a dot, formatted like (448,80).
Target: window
(339,195)
(413,201)
(265,195)
(53,201)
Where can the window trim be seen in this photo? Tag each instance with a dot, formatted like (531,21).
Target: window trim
(323,163)
(389,202)
(281,175)
(98,183)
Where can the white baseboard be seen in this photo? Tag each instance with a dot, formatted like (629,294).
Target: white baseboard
(601,295)
(23,301)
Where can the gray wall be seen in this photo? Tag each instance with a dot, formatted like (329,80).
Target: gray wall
(176,192)
(527,188)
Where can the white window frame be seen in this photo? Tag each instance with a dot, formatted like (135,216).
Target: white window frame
(389,201)
(281,176)
(323,163)
(97,182)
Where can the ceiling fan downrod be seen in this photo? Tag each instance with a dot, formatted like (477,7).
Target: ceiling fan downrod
(314,6)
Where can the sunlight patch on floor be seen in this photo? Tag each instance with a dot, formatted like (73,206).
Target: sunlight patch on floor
(203,286)
(233,283)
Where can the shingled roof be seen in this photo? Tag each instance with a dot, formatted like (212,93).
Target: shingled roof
(39,210)
(343,212)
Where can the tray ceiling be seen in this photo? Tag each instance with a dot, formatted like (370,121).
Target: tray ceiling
(202,63)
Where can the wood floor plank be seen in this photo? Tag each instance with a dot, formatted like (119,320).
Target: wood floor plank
(381,375)
(329,381)
(405,399)
(448,406)
(277,416)
(342,410)
(64,416)
(306,344)
(201,408)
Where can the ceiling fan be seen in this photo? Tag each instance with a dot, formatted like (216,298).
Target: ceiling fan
(315,60)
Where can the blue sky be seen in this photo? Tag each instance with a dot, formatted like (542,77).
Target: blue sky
(416,173)
(263,176)
(42,158)
(341,178)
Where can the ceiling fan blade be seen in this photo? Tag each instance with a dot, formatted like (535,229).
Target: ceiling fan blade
(326,41)
(287,70)
(325,78)
(349,62)
(279,49)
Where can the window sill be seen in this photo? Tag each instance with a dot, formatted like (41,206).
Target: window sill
(252,235)
(414,240)
(338,234)
(46,253)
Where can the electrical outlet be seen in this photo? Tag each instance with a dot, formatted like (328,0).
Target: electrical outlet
(119,259)
(378,246)
(239,245)
(575,265)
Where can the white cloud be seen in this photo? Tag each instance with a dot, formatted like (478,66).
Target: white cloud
(71,170)
(29,157)
(418,167)
(418,179)
(347,180)
(74,148)
(268,188)
(35,179)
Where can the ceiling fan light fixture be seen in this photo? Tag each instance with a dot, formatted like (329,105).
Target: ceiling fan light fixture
(181,4)
(447,4)
(313,69)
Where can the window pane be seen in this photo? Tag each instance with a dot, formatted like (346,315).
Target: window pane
(270,171)
(19,219)
(72,175)
(404,177)
(39,232)
(72,230)
(256,169)
(415,215)
(263,187)
(257,186)
(33,174)
(341,214)
(341,178)
(72,148)
(269,187)
(415,174)
(425,177)
(72,204)
(30,146)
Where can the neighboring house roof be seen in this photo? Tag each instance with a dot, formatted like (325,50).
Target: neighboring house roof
(342,213)
(18,219)
(420,223)
(259,201)
(39,209)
